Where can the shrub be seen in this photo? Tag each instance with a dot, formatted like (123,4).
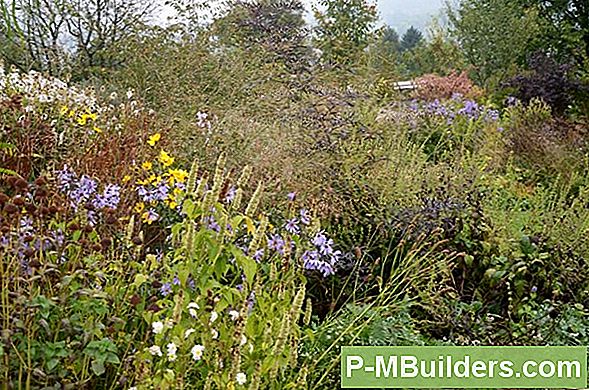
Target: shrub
(551,82)
(431,87)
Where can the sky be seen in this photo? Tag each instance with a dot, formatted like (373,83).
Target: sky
(399,14)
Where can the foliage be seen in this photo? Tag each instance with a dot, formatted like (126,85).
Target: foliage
(61,37)
(222,210)
(411,39)
(276,28)
(551,82)
(496,36)
(344,30)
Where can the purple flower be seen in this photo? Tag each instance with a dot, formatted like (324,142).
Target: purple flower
(251,301)
(161,192)
(110,197)
(320,239)
(305,217)
(166,289)
(258,255)
(414,105)
(275,242)
(291,196)
(176,281)
(212,224)
(511,101)
(230,195)
(292,226)
(470,109)
(65,178)
(152,216)
(313,262)
(86,187)
(491,115)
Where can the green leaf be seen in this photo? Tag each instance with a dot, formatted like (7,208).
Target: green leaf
(139,280)
(249,266)
(98,367)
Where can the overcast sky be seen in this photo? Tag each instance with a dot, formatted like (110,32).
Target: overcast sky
(400,14)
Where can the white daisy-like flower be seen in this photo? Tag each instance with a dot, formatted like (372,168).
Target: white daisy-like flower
(192,308)
(240,378)
(197,352)
(157,327)
(214,334)
(214,316)
(171,351)
(243,340)
(155,350)
(234,314)
(188,332)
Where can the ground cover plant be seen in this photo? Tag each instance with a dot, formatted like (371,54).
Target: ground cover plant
(224,200)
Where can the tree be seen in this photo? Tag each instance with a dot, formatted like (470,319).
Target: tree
(496,36)
(411,39)
(100,28)
(276,27)
(31,33)
(344,30)
(55,36)
(567,30)
(389,40)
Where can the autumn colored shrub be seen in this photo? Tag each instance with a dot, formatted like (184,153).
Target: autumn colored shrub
(432,86)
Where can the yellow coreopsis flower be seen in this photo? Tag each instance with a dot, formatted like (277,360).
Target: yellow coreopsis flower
(178,175)
(139,207)
(154,139)
(97,129)
(126,179)
(64,110)
(166,159)
(147,165)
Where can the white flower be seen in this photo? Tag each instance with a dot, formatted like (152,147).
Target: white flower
(243,340)
(214,334)
(189,332)
(129,94)
(192,308)
(155,350)
(158,327)
(214,316)
(240,378)
(197,352)
(234,314)
(172,349)
(169,323)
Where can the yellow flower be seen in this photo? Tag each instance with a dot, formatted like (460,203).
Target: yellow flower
(171,202)
(96,129)
(82,120)
(143,182)
(166,159)
(147,165)
(71,114)
(155,179)
(64,110)
(179,175)
(126,178)
(139,207)
(154,138)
